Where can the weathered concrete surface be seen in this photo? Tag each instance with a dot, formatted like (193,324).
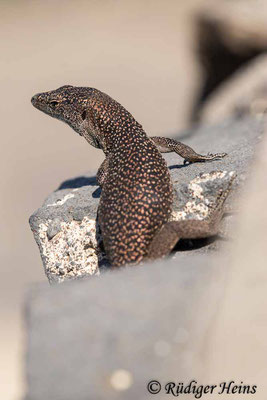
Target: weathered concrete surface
(64,227)
(146,321)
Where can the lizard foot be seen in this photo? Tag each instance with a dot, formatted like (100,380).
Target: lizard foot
(216,156)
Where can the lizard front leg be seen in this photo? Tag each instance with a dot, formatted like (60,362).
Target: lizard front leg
(102,172)
(166,145)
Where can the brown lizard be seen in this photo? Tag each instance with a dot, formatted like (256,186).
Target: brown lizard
(136,198)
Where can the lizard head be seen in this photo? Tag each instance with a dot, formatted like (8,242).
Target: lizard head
(64,103)
(91,113)
(76,106)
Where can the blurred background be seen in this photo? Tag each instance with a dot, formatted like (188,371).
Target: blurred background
(163,60)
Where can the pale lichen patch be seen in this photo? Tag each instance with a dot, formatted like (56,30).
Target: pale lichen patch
(59,202)
(198,206)
(73,251)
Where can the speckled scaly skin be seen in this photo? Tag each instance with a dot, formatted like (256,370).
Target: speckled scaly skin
(136,196)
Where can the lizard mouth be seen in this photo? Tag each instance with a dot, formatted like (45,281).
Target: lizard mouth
(37,103)
(34,100)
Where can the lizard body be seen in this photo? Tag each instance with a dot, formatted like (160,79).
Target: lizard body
(136,198)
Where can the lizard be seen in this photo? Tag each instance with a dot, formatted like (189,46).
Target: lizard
(136,189)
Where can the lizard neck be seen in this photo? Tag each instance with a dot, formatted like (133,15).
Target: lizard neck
(108,125)
(111,134)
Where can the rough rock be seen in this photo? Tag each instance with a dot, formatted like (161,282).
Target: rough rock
(65,229)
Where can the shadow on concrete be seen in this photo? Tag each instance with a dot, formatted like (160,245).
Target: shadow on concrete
(78,182)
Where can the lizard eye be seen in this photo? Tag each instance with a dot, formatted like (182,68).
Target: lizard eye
(83,115)
(53,103)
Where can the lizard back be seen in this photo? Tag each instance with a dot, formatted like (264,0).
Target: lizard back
(136,198)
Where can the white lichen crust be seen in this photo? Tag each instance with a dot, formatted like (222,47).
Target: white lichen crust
(60,202)
(198,207)
(72,252)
